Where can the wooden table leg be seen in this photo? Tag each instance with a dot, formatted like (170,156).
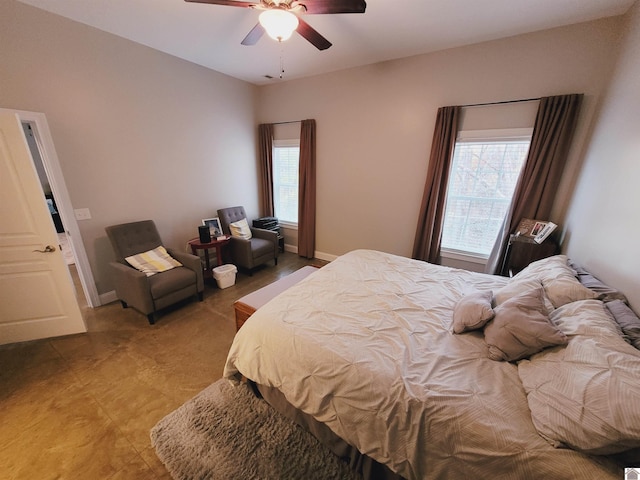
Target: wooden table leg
(207,263)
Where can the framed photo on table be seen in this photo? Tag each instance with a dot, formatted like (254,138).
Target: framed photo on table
(526,227)
(537,228)
(214,226)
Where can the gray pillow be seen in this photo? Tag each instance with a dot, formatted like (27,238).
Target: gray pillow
(607,293)
(521,327)
(627,319)
(472,312)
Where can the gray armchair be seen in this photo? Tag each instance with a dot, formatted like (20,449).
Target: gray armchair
(261,248)
(150,294)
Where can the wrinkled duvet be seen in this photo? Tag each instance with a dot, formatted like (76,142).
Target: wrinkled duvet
(364,346)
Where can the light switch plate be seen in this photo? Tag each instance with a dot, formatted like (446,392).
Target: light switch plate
(82,214)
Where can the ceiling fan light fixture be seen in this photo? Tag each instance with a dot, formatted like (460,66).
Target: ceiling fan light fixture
(278,23)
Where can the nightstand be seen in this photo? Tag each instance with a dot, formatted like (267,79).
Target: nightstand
(521,251)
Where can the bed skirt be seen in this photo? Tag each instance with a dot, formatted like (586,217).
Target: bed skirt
(360,463)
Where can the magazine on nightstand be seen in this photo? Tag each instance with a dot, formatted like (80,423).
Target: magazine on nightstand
(538,230)
(545,232)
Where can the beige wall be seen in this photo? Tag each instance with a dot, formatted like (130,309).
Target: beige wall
(603,226)
(139,134)
(375,123)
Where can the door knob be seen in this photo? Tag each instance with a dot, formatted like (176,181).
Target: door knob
(47,249)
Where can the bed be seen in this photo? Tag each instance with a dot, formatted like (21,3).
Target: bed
(365,348)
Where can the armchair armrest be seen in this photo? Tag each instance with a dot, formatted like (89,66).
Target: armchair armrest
(267,235)
(192,262)
(132,287)
(241,251)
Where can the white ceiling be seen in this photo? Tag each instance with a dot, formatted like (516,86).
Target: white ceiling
(210,35)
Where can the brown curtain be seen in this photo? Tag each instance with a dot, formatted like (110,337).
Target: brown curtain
(536,188)
(265,145)
(307,190)
(429,232)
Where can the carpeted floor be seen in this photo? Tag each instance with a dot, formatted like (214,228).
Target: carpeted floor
(225,432)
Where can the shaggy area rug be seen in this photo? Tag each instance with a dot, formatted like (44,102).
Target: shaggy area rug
(225,432)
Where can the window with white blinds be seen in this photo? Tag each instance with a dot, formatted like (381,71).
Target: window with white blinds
(286,160)
(484,171)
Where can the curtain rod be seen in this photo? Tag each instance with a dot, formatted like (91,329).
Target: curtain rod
(500,103)
(284,123)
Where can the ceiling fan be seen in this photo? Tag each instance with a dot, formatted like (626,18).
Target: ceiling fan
(279,18)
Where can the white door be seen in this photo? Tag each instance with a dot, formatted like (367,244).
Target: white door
(37,297)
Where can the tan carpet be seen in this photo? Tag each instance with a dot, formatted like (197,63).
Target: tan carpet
(226,432)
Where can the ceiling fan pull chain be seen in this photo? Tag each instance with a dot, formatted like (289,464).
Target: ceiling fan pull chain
(281,61)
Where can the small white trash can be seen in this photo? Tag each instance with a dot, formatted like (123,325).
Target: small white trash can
(225,275)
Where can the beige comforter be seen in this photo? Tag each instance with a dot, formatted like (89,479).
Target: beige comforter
(364,346)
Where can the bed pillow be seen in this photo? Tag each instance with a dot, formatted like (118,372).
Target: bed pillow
(153,261)
(627,319)
(583,396)
(240,229)
(521,327)
(558,279)
(607,293)
(566,289)
(472,312)
(547,268)
(516,286)
(585,318)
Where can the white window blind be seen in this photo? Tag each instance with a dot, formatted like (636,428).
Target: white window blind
(484,171)
(286,159)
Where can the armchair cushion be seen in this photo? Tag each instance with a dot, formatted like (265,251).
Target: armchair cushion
(153,261)
(240,229)
(192,262)
(171,281)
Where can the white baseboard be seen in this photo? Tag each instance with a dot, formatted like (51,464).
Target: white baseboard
(108,297)
(328,257)
(290,248)
(319,255)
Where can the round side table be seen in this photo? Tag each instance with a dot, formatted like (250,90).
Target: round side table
(216,244)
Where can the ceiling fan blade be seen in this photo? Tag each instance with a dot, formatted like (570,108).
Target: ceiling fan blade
(228,3)
(254,35)
(334,6)
(312,36)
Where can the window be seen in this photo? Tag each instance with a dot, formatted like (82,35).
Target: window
(484,171)
(286,161)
